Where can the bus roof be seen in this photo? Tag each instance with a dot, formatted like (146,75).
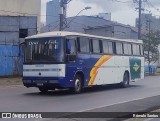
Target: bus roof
(65,33)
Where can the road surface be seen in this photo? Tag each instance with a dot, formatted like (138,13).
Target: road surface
(21,99)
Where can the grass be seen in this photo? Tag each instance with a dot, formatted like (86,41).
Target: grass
(10,81)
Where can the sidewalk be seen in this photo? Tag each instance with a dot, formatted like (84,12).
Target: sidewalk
(10,81)
(156,74)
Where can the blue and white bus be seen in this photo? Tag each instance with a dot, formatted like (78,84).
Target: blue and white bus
(58,60)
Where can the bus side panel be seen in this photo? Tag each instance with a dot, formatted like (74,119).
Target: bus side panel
(121,65)
(82,65)
(111,71)
(136,68)
(102,72)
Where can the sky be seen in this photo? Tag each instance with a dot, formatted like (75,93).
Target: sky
(122,11)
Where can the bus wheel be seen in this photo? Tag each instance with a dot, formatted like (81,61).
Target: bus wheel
(125,82)
(77,84)
(43,90)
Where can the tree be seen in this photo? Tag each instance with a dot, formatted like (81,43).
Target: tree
(151,44)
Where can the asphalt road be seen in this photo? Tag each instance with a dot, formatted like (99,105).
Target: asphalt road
(21,99)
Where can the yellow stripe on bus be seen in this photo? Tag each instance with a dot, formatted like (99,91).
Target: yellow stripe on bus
(94,70)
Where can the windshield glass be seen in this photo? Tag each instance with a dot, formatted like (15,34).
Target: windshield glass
(44,50)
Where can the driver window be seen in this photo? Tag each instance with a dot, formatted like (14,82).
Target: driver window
(70,46)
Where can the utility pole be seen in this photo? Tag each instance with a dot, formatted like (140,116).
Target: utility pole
(139,22)
(63,4)
(149,24)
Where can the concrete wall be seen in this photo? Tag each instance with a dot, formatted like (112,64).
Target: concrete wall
(11,60)
(10,25)
(11,56)
(21,8)
(96,26)
(122,32)
(103,31)
(78,24)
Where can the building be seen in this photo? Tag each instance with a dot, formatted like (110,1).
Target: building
(96,26)
(52,12)
(13,30)
(21,8)
(78,24)
(18,19)
(149,21)
(153,23)
(106,16)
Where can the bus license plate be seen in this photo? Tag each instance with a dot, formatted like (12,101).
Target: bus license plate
(39,84)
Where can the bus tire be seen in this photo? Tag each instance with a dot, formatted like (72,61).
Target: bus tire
(125,82)
(78,84)
(43,90)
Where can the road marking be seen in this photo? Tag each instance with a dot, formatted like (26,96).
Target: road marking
(149,119)
(118,103)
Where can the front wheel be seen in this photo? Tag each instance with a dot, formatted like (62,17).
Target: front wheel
(78,85)
(125,82)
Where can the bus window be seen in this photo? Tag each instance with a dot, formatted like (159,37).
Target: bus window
(70,46)
(110,47)
(96,47)
(119,48)
(107,47)
(136,50)
(141,49)
(127,49)
(84,45)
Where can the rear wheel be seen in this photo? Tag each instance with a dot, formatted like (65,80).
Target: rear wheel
(125,82)
(78,84)
(43,90)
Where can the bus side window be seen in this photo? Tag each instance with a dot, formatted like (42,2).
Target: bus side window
(84,45)
(96,46)
(119,48)
(141,49)
(114,47)
(127,49)
(70,46)
(136,50)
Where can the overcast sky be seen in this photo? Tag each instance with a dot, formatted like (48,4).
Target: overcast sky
(122,12)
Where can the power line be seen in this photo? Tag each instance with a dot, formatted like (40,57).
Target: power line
(149,3)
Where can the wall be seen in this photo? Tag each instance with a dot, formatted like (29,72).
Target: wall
(121,31)
(11,56)
(78,24)
(96,26)
(17,7)
(103,31)
(10,60)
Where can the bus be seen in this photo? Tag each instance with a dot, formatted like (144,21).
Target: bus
(61,59)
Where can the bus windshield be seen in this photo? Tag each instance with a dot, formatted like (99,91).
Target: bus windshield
(44,50)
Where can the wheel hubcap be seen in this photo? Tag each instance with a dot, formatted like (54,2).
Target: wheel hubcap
(77,85)
(126,80)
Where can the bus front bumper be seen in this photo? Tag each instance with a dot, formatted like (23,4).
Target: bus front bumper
(46,82)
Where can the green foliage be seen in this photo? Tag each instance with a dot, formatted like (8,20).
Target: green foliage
(151,43)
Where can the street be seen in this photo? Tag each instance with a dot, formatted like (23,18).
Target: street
(21,99)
